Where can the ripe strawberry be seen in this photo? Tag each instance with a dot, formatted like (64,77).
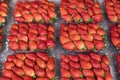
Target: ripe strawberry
(23,45)
(7,73)
(17,13)
(105,59)
(51,14)
(28,71)
(64,40)
(99,72)
(23,25)
(108,76)
(113,18)
(18,71)
(43,56)
(13,32)
(85,64)
(100,31)
(33,27)
(13,45)
(99,45)
(74,58)
(91,30)
(50,74)
(82,31)
(28,17)
(118,57)
(97,37)
(69,46)
(39,71)
(42,45)
(64,65)
(33,10)
(41,63)
(76,73)
(114,34)
(8,65)
(46,17)
(33,38)
(30,56)
(115,40)
(82,26)
(65,73)
(65,58)
(51,63)
(77,18)
(105,67)
(72,31)
(18,62)
(42,38)
(12,38)
(23,30)
(86,17)
(90,78)
(89,45)
(64,79)
(88,73)
(51,35)
(63,11)
(22,37)
(64,33)
(16,77)
(10,58)
(4,78)
(97,17)
(29,62)
(74,64)
(67,17)
(84,57)
(95,56)
(42,31)
(27,78)
(32,45)
(79,45)
(100,78)
(37,17)
(95,63)
(25,11)
(75,37)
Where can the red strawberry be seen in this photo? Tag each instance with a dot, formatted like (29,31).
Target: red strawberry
(64,27)
(34,31)
(41,63)
(64,33)
(33,38)
(23,25)
(85,64)
(79,45)
(99,45)
(118,57)
(88,73)
(28,71)
(105,59)
(39,72)
(90,11)
(42,31)
(42,38)
(42,45)
(63,11)
(50,74)
(82,26)
(16,77)
(65,58)
(87,37)
(74,64)
(95,63)
(73,58)
(46,17)
(8,65)
(94,25)
(51,14)
(64,65)
(42,78)
(118,68)
(25,11)
(10,58)
(29,62)
(64,40)
(84,57)
(23,45)
(64,79)
(40,10)
(37,17)
(7,73)
(51,63)
(91,30)
(108,76)
(89,45)
(113,18)
(51,35)
(22,37)
(115,40)
(95,56)
(82,31)
(18,71)
(30,56)
(90,78)
(33,27)
(13,45)
(81,10)
(77,18)
(65,73)
(32,45)
(97,37)
(100,31)
(67,17)
(105,67)
(14,26)
(23,30)
(12,38)
(86,17)
(13,32)
(43,56)
(100,78)
(72,31)
(28,17)
(76,73)
(114,34)
(27,78)
(4,78)
(97,17)
(99,72)
(33,10)
(75,37)
(17,13)
(18,62)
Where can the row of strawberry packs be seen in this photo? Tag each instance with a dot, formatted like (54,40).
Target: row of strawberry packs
(40,66)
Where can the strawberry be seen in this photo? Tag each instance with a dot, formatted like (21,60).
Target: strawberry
(90,78)
(45,17)
(28,17)
(77,72)
(84,57)
(118,57)
(64,79)
(33,27)
(10,58)
(12,38)
(118,68)
(64,65)
(13,32)
(90,11)
(75,37)
(81,10)
(23,30)
(69,46)
(65,58)
(64,33)
(100,31)
(65,73)
(94,25)
(33,10)
(22,37)
(51,64)
(97,17)
(115,40)
(108,76)
(4,78)
(99,72)
(82,26)
(105,59)
(97,37)
(41,45)
(23,25)
(43,56)
(50,74)
(72,31)
(95,63)
(88,73)
(23,45)
(63,11)
(89,45)
(99,45)
(33,38)
(42,38)
(8,65)
(73,58)
(51,35)
(7,73)
(86,17)
(100,78)
(82,31)
(37,17)
(29,62)
(34,31)
(13,45)
(39,71)
(42,79)
(51,14)
(77,18)
(80,45)
(32,45)
(114,34)
(85,64)
(67,17)
(64,40)
(105,67)
(95,56)
(18,71)
(42,31)
(113,18)
(27,78)
(16,77)
(50,43)
(91,30)
(30,56)
(18,62)
(28,71)
(74,64)
(41,63)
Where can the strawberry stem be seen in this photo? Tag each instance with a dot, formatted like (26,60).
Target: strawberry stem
(22,75)
(81,76)
(34,76)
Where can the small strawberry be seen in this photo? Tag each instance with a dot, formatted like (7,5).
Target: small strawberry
(42,38)
(85,64)
(73,58)
(29,62)
(84,57)
(64,33)
(16,77)
(13,45)
(95,56)
(42,45)
(32,45)
(91,30)
(28,17)
(76,73)
(17,13)
(105,67)
(108,76)
(74,64)
(50,74)
(22,37)
(115,40)
(50,43)
(113,18)
(79,45)
(4,78)
(86,17)
(51,63)
(75,37)
(88,73)
(46,17)
(72,31)
(100,31)
(8,65)
(18,62)
(18,71)
(7,73)
(65,58)
(27,78)
(65,73)
(89,45)
(39,71)
(13,32)
(12,38)
(97,37)
(95,63)
(10,58)
(30,56)
(22,30)
(64,40)
(82,31)
(99,72)
(77,18)
(51,14)
(67,17)
(37,17)
(43,56)
(41,63)
(64,65)
(23,45)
